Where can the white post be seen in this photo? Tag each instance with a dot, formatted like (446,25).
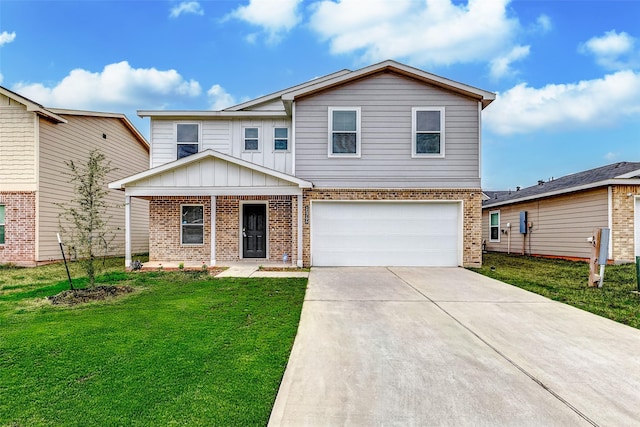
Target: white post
(212,261)
(127,231)
(299,261)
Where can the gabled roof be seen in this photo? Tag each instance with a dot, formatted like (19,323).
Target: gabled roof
(616,173)
(32,106)
(287,96)
(125,120)
(390,65)
(122,183)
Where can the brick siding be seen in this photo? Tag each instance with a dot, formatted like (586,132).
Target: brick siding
(19,228)
(164,235)
(472,213)
(623,223)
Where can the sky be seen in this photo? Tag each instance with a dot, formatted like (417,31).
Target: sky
(566,72)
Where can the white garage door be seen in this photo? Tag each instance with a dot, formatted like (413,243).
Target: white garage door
(385,234)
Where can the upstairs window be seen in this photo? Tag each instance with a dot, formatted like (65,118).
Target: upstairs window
(427,132)
(1,224)
(494,226)
(192,225)
(344,132)
(281,139)
(251,139)
(188,139)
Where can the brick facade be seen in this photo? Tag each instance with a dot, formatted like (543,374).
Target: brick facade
(623,222)
(472,213)
(19,228)
(164,233)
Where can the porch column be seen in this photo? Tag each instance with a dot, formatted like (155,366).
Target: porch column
(299,260)
(212,262)
(127,231)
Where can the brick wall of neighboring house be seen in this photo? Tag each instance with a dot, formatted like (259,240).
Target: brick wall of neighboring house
(164,230)
(19,228)
(472,215)
(623,223)
(279,222)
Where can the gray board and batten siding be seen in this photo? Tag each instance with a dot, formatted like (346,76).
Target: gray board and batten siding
(386,101)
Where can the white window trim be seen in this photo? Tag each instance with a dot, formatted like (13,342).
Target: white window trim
(175,136)
(414,126)
(181,224)
(288,139)
(244,145)
(498,239)
(330,133)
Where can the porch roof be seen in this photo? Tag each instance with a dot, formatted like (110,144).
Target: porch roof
(210,172)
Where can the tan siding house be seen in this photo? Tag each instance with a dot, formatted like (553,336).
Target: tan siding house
(377,166)
(35,142)
(562,214)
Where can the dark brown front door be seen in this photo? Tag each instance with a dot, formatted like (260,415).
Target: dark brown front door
(254,231)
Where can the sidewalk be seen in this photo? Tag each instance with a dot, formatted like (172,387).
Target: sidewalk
(246,269)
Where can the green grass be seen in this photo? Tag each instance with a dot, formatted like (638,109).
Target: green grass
(185,349)
(567,282)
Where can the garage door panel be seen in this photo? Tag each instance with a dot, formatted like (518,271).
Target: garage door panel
(385,233)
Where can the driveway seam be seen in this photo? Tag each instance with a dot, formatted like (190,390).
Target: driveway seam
(504,356)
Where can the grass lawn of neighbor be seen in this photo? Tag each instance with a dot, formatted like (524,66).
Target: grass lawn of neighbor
(182,349)
(566,281)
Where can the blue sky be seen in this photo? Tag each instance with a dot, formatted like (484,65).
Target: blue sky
(567,73)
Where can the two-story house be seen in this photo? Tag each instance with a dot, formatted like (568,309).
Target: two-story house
(35,142)
(378,166)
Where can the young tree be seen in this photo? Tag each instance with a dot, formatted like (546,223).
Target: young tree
(84,219)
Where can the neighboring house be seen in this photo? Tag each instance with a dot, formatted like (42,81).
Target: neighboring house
(378,166)
(35,142)
(563,212)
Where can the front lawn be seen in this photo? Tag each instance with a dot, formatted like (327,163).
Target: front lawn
(184,349)
(566,281)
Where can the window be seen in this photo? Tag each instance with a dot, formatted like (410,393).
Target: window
(344,132)
(251,139)
(281,139)
(1,224)
(494,226)
(192,227)
(187,137)
(427,132)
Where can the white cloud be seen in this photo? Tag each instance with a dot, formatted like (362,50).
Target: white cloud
(274,16)
(186,7)
(1,78)
(501,66)
(610,156)
(427,32)
(613,50)
(118,87)
(6,37)
(586,104)
(219,98)
(543,24)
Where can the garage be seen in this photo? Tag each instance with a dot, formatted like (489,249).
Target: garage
(386,233)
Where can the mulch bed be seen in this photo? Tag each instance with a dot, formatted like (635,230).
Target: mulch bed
(81,296)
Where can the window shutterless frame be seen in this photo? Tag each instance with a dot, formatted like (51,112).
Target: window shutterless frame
(281,139)
(250,138)
(494,226)
(344,132)
(427,132)
(192,225)
(187,137)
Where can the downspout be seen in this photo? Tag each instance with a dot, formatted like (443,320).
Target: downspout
(293,138)
(127,231)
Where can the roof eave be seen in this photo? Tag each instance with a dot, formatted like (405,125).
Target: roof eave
(195,114)
(590,186)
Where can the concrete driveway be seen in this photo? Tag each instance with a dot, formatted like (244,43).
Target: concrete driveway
(445,346)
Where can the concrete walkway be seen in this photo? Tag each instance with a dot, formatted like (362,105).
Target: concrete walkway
(438,346)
